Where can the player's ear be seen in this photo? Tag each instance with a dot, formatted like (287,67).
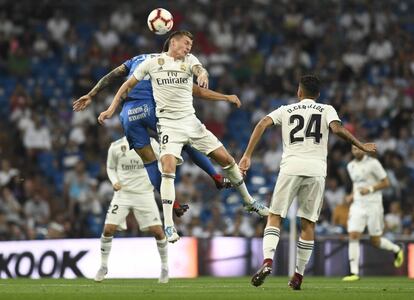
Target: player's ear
(299,93)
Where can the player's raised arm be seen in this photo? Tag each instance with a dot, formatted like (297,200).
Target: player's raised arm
(215,96)
(343,133)
(258,131)
(123,91)
(84,101)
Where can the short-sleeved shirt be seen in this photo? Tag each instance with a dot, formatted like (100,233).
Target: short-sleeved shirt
(305,131)
(365,173)
(129,168)
(172,84)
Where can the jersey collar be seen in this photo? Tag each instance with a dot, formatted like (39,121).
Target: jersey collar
(307,100)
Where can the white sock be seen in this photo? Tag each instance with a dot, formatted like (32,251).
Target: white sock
(106,244)
(353,253)
(270,240)
(162,246)
(167,197)
(303,253)
(386,244)
(235,177)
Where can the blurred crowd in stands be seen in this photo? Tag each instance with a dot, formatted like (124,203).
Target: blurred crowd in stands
(53,181)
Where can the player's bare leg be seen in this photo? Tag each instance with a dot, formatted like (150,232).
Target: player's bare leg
(270,241)
(169,163)
(106,244)
(226,161)
(146,153)
(162,246)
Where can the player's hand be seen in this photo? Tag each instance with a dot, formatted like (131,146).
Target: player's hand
(180,209)
(244,165)
(82,103)
(234,99)
(104,115)
(364,191)
(369,148)
(202,80)
(117,186)
(349,198)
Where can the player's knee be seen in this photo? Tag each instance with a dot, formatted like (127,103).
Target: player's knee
(157,232)
(222,157)
(375,241)
(354,235)
(146,153)
(109,230)
(274,220)
(169,163)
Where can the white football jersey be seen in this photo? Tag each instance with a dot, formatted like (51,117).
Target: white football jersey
(126,167)
(305,131)
(172,84)
(365,173)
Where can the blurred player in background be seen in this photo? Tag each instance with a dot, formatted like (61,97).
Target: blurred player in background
(305,130)
(369,179)
(171,76)
(133,193)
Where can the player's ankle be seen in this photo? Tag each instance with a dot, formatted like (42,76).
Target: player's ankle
(268,262)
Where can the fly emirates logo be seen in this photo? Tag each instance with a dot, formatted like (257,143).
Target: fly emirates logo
(173,78)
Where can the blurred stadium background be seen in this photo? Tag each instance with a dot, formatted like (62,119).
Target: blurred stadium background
(53,182)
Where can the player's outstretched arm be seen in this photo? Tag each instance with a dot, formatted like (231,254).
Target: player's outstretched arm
(258,131)
(202,76)
(84,101)
(123,91)
(343,133)
(208,94)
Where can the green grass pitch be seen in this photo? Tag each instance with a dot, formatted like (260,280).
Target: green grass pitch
(210,288)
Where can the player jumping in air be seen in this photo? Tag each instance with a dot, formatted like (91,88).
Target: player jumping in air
(138,115)
(305,129)
(171,75)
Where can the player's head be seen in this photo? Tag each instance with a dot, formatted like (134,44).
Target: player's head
(178,44)
(357,153)
(309,87)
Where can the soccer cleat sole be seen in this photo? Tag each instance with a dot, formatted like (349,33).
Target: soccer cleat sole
(259,278)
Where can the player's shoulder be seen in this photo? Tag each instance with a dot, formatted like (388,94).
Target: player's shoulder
(190,57)
(119,143)
(372,160)
(143,57)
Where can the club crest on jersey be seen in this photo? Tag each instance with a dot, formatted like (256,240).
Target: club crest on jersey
(123,149)
(161,62)
(183,67)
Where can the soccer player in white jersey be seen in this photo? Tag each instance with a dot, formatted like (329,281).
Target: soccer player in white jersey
(133,192)
(305,129)
(171,76)
(368,178)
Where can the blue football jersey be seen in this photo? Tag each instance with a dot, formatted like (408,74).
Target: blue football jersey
(143,90)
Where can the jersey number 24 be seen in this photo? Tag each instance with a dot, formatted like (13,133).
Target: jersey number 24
(313,129)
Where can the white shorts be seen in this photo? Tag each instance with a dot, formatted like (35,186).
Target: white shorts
(308,190)
(145,211)
(174,134)
(369,215)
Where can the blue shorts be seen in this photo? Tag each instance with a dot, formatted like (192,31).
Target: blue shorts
(136,118)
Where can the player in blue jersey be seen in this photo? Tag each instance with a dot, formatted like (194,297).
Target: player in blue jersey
(138,115)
